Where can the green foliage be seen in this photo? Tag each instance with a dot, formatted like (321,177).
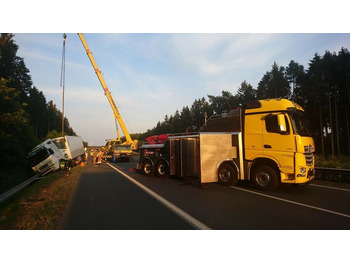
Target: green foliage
(341,161)
(53,134)
(16,137)
(274,84)
(246,93)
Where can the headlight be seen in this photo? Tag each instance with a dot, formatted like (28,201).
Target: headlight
(302,169)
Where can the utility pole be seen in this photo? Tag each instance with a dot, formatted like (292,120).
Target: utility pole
(63,75)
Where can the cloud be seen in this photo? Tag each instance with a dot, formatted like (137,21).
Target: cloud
(213,55)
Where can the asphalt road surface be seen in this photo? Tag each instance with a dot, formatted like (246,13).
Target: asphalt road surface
(109,196)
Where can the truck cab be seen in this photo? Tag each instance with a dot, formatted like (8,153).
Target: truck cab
(45,157)
(277,144)
(116,150)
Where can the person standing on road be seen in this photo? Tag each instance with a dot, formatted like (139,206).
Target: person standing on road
(99,157)
(94,156)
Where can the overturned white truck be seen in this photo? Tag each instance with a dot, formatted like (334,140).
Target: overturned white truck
(54,153)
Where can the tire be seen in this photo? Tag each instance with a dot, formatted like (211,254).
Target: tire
(162,169)
(265,178)
(227,175)
(147,168)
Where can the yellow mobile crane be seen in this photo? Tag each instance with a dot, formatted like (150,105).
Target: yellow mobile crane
(115,147)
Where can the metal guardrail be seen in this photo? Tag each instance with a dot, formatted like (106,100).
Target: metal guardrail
(332,174)
(17,188)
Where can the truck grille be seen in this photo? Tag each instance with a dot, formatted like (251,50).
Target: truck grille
(43,167)
(309,155)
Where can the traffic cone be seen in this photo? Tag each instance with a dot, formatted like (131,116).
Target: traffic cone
(82,164)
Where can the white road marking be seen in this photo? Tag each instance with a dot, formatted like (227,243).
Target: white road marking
(191,220)
(292,202)
(335,188)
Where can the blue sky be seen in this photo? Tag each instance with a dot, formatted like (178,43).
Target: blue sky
(153,75)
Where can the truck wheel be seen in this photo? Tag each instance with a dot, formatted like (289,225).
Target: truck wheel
(147,168)
(162,169)
(227,175)
(265,178)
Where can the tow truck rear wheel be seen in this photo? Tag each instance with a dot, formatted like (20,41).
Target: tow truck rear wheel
(265,177)
(147,168)
(227,175)
(162,169)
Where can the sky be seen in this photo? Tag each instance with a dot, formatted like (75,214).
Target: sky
(157,58)
(152,75)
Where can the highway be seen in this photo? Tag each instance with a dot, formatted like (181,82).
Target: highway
(110,196)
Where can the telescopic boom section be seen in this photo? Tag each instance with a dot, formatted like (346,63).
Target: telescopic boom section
(106,90)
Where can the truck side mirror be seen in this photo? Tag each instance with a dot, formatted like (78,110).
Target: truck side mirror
(282,123)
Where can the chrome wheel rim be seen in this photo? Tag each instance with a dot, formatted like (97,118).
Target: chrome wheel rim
(147,168)
(225,175)
(161,170)
(263,179)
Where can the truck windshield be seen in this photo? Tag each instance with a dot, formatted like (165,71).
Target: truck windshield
(299,123)
(122,148)
(60,143)
(38,156)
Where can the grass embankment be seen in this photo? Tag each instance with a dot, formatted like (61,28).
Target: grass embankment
(333,162)
(42,204)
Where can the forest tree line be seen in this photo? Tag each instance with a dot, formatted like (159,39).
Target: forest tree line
(322,89)
(26,118)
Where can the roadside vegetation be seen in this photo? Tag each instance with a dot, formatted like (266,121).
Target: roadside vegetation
(341,161)
(42,204)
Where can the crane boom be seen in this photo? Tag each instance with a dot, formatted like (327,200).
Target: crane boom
(116,113)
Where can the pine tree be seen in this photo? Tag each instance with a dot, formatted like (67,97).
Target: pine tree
(274,84)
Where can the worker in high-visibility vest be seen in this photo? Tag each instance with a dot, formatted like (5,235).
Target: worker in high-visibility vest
(99,157)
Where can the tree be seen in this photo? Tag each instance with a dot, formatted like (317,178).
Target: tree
(199,110)
(12,67)
(186,118)
(313,93)
(53,134)
(295,74)
(16,136)
(246,93)
(274,84)
(37,109)
(343,77)
(328,65)
(224,103)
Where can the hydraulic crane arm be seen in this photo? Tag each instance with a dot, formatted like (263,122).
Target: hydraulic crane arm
(106,90)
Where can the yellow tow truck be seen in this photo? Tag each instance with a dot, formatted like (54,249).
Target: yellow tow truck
(265,141)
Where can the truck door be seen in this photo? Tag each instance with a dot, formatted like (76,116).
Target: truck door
(279,144)
(175,157)
(184,156)
(253,141)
